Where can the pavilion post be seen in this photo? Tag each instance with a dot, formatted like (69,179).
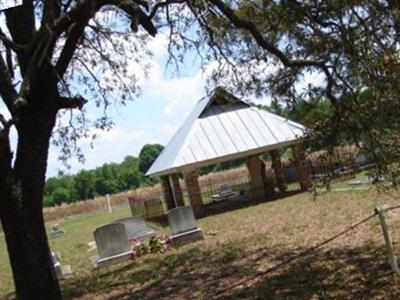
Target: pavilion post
(278,170)
(176,189)
(258,177)
(193,189)
(302,168)
(167,192)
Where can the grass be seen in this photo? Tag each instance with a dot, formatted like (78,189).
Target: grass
(241,244)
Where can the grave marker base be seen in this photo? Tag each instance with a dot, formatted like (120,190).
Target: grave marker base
(187,237)
(102,262)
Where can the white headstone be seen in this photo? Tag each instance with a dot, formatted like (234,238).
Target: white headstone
(136,227)
(108,199)
(111,239)
(181,219)
(55,257)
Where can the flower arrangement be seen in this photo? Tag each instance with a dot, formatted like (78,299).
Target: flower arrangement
(155,244)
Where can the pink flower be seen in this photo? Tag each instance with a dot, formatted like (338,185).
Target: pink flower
(134,254)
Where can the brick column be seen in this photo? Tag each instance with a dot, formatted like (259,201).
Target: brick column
(302,169)
(176,189)
(278,170)
(167,192)
(258,177)
(193,189)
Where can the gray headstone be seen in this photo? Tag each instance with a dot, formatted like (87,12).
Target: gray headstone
(61,271)
(56,233)
(181,219)
(111,239)
(136,227)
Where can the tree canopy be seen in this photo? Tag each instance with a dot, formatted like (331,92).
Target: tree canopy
(148,155)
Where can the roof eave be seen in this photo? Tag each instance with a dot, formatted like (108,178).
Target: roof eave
(229,157)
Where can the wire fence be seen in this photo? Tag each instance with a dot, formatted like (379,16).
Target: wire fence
(379,211)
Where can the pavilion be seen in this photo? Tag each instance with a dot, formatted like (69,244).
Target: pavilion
(223,128)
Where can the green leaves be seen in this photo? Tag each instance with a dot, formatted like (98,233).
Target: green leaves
(107,179)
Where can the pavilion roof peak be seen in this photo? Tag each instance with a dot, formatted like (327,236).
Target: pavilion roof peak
(221,96)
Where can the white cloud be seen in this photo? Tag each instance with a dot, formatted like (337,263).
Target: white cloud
(314,79)
(109,146)
(180,94)
(168,130)
(158,45)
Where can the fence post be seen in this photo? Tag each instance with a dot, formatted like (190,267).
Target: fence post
(109,203)
(380,210)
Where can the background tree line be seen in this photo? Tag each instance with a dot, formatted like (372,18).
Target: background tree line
(110,178)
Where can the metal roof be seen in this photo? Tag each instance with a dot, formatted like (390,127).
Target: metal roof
(223,128)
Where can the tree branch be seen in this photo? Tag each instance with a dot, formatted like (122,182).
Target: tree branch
(5,148)
(3,121)
(71,103)
(240,23)
(66,6)
(160,5)
(78,17)
(7,90)
(70,46)
(88,8)
(21,24)
(137,16)
(51,11)
(9,43)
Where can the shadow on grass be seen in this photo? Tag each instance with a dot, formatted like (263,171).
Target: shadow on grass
(195,273)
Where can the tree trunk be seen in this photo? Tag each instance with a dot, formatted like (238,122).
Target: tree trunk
(28,249)
(21,189)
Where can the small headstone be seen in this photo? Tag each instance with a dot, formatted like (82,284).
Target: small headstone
(181,219)
(108,199)
(360,181)
(61,271)
(56,233)
(91,246)
(183,226)
(112,243)
(136,228)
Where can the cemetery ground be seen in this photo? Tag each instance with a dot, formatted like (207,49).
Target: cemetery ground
(241,244)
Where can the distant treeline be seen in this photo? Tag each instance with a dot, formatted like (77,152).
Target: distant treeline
(107,179)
